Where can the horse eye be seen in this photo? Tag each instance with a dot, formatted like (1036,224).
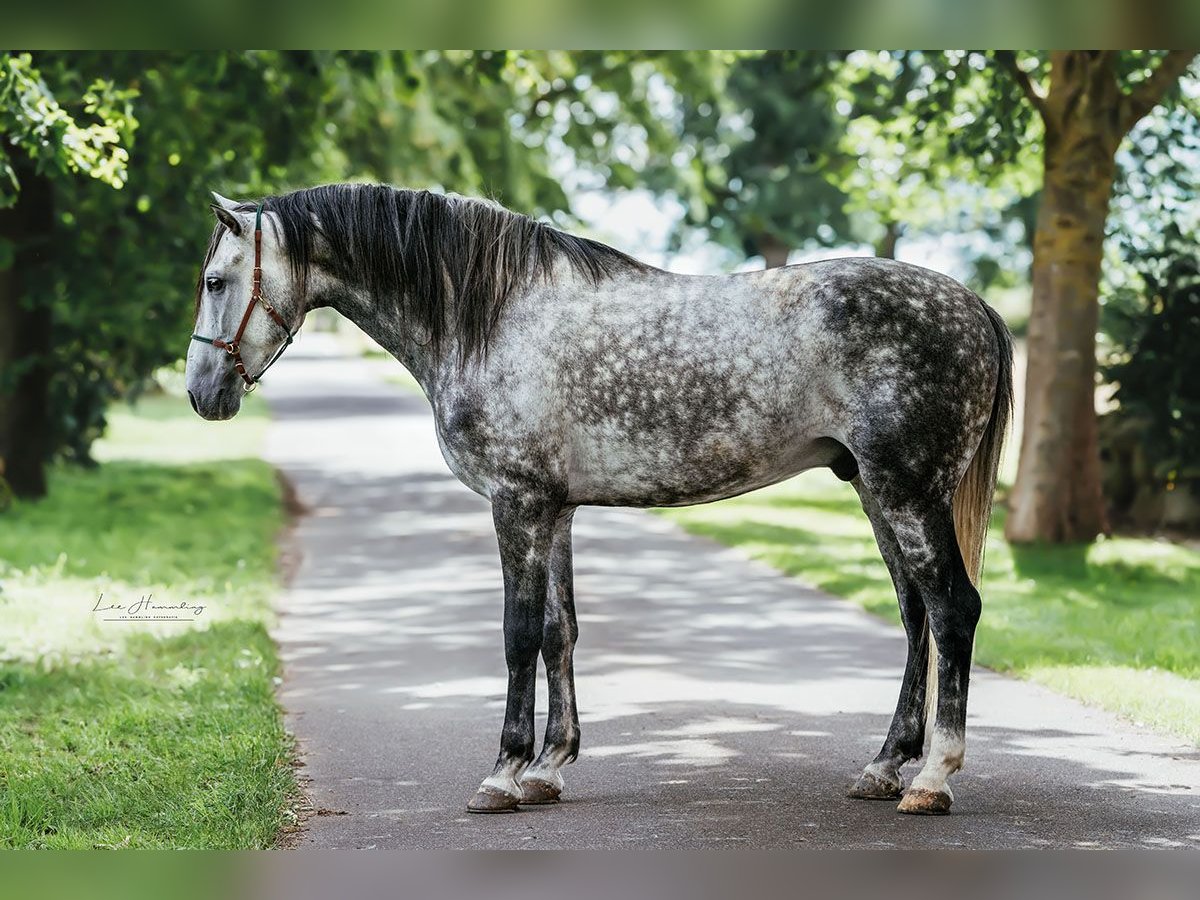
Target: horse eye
(214,285)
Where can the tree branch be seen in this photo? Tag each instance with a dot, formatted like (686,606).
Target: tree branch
(1145,96)
(1008,59)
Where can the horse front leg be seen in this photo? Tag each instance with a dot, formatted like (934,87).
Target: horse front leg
(542,782)
(525,523)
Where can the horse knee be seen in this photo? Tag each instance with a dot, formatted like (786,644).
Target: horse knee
(522,641)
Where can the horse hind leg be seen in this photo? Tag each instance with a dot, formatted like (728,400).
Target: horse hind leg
(542,782)
(926,535)
(881,779)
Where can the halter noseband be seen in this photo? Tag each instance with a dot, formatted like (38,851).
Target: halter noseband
(234,347)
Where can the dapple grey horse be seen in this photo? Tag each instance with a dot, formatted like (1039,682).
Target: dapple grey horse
(564,373)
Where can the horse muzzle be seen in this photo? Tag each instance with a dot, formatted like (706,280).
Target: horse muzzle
(221,404)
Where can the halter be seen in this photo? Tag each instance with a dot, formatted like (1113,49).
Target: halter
(234,347)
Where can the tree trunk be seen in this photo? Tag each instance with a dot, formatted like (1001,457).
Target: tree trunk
(886,248)
(1086,113)
(25,341)
(773,251)
(1057,497)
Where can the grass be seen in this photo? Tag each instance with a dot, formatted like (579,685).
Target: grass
(1115,624)
(145,734)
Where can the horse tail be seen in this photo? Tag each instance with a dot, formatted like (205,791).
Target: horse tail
(973,498)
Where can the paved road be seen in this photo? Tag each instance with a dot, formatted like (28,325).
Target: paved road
(722,704)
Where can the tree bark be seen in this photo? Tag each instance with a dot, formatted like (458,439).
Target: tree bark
(1057,496)
(773,251)
(25,342)
(886,248)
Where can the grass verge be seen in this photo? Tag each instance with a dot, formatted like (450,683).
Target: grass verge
(1115,624)
(141,733)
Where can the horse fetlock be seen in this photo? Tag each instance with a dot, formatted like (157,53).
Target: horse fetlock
(558,751)
(946,753)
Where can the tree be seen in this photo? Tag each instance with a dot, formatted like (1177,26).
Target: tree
(97,289)
(769,156)
(816,148)
(921,126)
(901,165)
(516,126)
(94,282)
(48,141)
(1092,101)
(1153,323)
(1072,109)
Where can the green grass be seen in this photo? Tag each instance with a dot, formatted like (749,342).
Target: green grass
(145,734)
(1116,624)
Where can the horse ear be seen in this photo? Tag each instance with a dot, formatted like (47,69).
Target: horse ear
(226,211)
(228,219)
(225,202)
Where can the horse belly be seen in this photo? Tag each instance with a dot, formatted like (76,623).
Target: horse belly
(653,470)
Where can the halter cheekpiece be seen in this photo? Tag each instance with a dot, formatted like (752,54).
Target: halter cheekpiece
(234,347)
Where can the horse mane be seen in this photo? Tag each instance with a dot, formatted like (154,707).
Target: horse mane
(449,263)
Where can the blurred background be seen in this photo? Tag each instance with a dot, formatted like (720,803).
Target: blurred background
(1061,187)
(693,160)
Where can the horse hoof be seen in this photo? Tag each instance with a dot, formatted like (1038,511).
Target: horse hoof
(871,787)
(920,802)
(538,791)
(491,800)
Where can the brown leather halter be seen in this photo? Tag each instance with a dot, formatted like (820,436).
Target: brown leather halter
(234,347)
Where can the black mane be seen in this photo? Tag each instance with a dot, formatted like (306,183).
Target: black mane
(449,263)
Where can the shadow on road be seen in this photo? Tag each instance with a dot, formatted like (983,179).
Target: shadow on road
(722,704)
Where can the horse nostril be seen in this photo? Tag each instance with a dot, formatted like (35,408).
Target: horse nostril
(192,397)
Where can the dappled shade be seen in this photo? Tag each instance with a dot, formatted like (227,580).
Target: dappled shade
(720,703)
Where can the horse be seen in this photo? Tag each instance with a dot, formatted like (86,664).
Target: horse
(565,373)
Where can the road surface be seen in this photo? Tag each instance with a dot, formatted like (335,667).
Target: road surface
(722,704)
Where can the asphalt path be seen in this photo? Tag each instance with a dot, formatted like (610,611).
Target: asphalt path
(722,704)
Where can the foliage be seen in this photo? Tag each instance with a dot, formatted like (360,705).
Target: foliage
(144,734)
(1154,328)
(822,148)
(506,124)
(39,126)
(1116,624)
(814,147)
(774,180)
(437,119)
(791,147)
(118,268)
(937,144)
(123,260)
